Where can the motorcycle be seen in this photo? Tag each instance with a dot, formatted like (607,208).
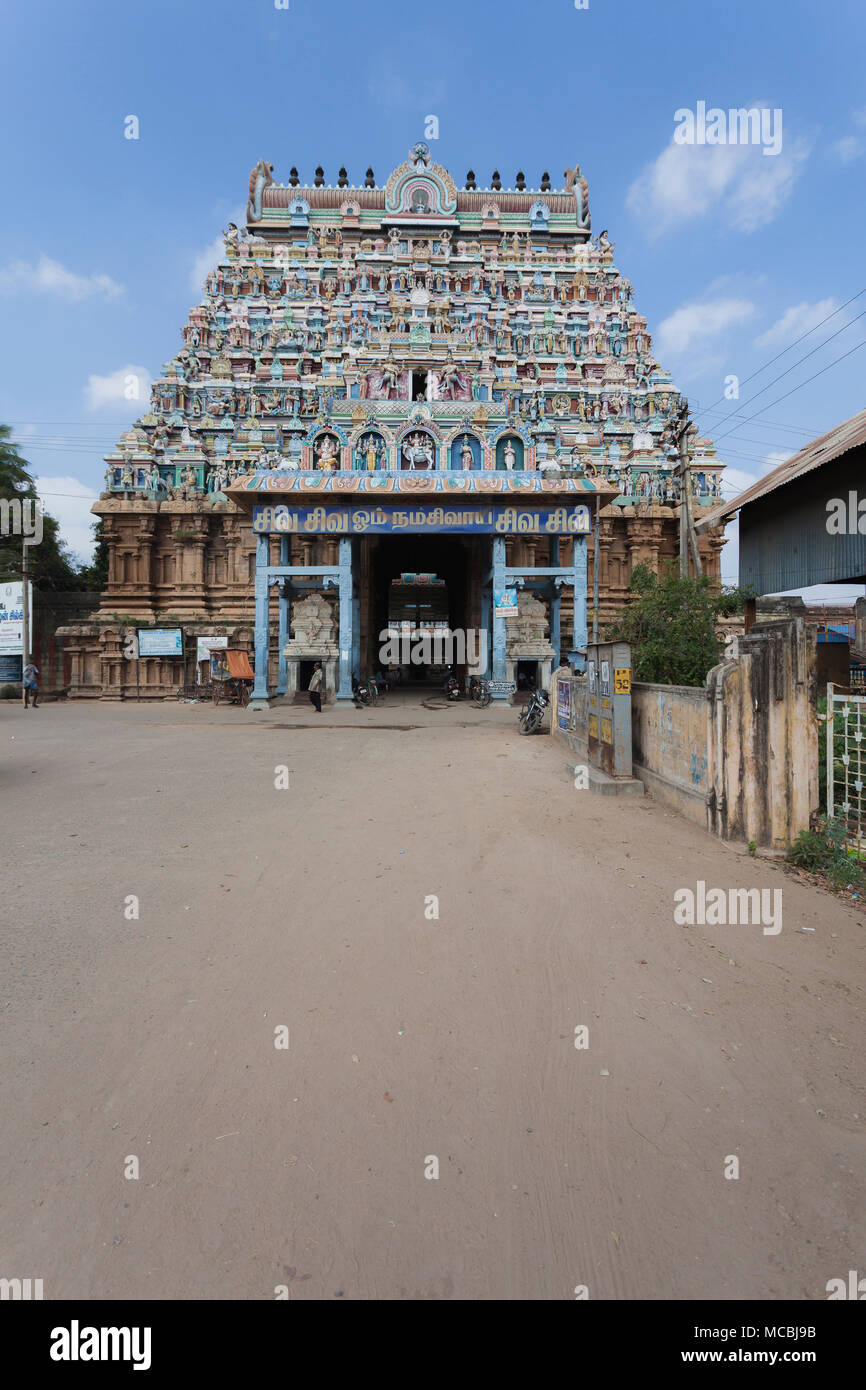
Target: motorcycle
(362,693)
(532,715)
(452,688)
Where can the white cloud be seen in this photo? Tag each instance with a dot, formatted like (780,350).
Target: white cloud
(50,277)
(740,185)
(796,321)
(128,386)
(698,325)
(849,148)
(69,502)
(206,260)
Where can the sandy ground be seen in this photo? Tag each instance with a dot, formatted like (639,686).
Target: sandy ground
(409,1037)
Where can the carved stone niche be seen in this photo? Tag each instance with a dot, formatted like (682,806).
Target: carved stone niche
(314,638)
(526,639)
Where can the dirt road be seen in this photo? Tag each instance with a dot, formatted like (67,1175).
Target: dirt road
(411,1037)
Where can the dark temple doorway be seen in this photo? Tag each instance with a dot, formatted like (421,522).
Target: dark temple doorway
(414,587)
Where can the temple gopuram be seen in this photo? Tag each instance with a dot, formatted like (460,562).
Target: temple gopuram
(394,407)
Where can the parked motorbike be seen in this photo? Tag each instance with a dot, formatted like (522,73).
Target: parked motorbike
(362,693)
(452,688)
(532,715)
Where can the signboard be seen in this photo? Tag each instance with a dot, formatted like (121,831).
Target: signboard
(505,603)
(501,687)
(563,703)
(11,668)
(203,648)
(160,641)
(478,520)
(621,680)
(12,619)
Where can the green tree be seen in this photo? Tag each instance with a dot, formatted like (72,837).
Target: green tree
(671,625)
(95,575)
(49,564)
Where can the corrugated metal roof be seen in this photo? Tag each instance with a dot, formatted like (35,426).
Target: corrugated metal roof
(822,450)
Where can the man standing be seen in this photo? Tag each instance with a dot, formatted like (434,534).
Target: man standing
(30,677)
(315,688)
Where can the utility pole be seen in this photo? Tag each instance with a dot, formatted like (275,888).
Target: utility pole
(688,535)
(25,621)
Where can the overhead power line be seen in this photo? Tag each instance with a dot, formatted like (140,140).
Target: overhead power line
(790,346)
(799,387)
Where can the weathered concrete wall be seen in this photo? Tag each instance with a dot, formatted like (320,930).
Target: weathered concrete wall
(858,650)
(669,745)
(762,745)
(739,756)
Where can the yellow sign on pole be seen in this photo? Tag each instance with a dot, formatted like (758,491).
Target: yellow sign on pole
(621,680)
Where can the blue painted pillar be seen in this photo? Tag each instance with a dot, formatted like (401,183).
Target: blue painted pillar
(285,591)
(485,628)
(260,687)
(344,688)
(579,566)
(498,622)
(356,616)
(555,604)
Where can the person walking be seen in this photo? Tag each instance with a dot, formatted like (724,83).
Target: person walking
(315,687)
(30,677)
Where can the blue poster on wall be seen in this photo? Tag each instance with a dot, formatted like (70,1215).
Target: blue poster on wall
(162,641)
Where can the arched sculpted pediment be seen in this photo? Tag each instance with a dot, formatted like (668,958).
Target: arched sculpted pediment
(427,189)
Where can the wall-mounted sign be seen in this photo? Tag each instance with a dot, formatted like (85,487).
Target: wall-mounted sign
(360,521)
(203,648)
(423,579)
(563,704)
(505,603)
(12,619)
(160,641)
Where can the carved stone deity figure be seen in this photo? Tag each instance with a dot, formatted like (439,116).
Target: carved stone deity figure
(510,457)
(418,453)
(314,632)
(232,239)
(390,379)
(326,453)
(449,380)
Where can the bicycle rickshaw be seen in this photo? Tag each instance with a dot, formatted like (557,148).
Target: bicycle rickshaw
(231,676)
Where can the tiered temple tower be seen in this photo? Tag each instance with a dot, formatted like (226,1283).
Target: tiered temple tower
(373,342)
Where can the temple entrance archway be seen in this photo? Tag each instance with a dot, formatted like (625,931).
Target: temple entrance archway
(419,586)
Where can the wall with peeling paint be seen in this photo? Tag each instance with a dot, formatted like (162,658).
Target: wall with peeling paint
(669,745)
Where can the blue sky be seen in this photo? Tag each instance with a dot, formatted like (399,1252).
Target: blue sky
(733,254)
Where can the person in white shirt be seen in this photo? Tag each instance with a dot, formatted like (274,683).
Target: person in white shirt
(30,677)
(315,687)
